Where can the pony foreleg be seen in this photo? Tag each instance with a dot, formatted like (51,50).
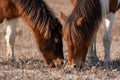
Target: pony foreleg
(92,57)
(10,38)
(107,39)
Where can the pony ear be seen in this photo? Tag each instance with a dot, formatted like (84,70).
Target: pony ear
(63,16)
(80,21)
(73,1)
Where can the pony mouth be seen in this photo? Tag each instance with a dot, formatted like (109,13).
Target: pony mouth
(58,62)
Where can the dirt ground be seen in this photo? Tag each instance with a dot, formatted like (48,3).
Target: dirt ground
(31,65)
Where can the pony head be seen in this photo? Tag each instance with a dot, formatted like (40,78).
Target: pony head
(79,29)
(75,42)
(50,43)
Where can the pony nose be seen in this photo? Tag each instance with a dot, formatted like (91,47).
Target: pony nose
(74,66)
(62,63)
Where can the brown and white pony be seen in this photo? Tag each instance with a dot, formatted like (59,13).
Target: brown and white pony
(81,26)
(45,26)
(111,6)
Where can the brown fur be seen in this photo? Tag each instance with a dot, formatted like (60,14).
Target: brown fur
(114,6)
(7,10)
(45,26)
(79,37)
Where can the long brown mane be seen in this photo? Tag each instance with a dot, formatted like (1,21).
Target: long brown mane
(46,27)
(39,14)
(91,11)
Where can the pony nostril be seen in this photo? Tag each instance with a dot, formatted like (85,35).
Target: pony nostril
(74,66)
(62,63)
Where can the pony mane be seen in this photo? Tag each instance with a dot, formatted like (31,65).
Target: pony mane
(40,15)
(92,12)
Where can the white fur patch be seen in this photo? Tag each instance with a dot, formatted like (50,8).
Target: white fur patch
(107,22)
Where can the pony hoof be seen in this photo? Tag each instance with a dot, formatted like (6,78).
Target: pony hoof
(92,61)
(14,63)
(107,65)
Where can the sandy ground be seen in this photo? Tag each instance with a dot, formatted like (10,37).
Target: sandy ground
(31,63)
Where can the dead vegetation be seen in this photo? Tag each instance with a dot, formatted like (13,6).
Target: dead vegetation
(30,65)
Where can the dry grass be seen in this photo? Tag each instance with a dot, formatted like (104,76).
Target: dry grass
(34,70)
(31,65)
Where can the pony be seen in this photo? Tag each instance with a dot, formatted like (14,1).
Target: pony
(45,26)
(81,26)
(112,8)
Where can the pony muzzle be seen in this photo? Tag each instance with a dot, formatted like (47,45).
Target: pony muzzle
(58,62)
